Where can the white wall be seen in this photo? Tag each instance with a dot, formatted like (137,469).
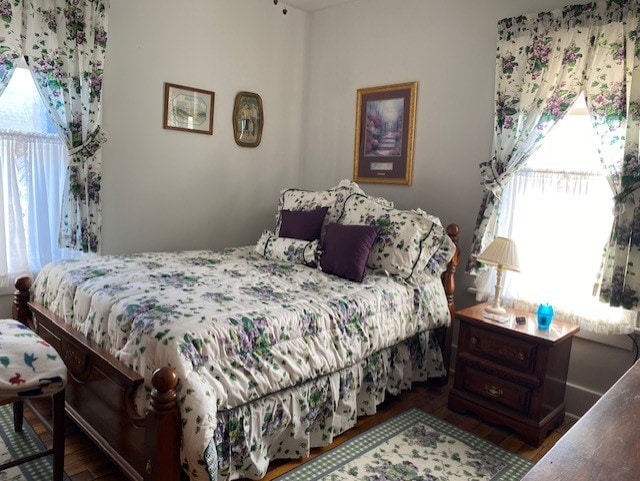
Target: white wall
(164,189)
(449,47)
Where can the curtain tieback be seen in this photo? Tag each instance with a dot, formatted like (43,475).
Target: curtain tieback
(626,192)
(491,179)
(89,147)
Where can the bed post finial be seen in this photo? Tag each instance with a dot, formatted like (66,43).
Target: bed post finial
(21,299)
(162,432)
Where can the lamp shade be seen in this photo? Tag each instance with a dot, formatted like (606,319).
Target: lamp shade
(501,252)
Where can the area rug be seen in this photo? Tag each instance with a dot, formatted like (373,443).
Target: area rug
(413,446)
(14,445)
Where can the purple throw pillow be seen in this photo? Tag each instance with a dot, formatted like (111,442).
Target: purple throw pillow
(302,224)
(346,249)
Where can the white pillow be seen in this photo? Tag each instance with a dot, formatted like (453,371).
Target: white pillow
(289,250)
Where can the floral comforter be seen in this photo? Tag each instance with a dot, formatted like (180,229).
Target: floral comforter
(236,327)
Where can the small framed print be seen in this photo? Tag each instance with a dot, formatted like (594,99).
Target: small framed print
(248,119)
(188,109)
(385,129)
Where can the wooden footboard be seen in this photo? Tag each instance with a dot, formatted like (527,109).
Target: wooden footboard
(101,389)
(100,397)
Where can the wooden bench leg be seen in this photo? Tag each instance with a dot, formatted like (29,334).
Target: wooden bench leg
(58,436)
(18,416)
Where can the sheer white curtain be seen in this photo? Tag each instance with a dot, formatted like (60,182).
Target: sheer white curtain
(33,163)
(13,246)
(32,170)
(559,211)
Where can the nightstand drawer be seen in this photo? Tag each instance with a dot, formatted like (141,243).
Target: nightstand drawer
(496,389)
(502,349)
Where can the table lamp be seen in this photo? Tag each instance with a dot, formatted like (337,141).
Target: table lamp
(501,253)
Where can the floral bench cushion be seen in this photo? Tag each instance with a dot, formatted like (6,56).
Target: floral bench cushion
(29,366)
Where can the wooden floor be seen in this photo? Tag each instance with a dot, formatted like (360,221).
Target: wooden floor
(84,462)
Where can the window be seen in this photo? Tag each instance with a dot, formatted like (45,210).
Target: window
(559,210)
(33,163)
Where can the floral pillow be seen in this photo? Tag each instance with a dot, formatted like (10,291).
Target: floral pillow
(407,239)
(289,250)
(439,261)
(333,199)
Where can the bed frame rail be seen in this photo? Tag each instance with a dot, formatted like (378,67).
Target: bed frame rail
(100,390)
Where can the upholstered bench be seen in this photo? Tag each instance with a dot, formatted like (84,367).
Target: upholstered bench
(30,368)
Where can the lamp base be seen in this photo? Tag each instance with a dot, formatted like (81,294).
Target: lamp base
(496,309)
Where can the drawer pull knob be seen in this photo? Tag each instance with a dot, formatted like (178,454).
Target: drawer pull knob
(493,391)
(474,340)
(521,356)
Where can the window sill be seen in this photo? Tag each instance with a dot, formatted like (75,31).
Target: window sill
(620,341)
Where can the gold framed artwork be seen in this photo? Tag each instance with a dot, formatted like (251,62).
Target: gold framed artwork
(385,132)
(248,119)
(188,109)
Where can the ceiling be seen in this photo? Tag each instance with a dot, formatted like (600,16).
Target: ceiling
(313,5)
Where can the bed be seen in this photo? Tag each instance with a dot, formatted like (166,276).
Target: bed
(210,364)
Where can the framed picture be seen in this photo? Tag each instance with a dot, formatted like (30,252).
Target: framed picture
(385,129)
(248,119)
(188,109)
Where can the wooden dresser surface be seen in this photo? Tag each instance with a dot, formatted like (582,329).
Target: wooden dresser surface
(604,444)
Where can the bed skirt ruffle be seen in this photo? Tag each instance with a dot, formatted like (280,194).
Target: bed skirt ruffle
(287,424)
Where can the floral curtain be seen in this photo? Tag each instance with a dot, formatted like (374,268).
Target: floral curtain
(538,76)
(65,43)
(543,62)
(10,43)
(612,88)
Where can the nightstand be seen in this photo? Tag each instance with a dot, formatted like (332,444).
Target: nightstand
(510,374)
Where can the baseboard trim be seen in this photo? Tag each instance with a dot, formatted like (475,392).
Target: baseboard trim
(579,399)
